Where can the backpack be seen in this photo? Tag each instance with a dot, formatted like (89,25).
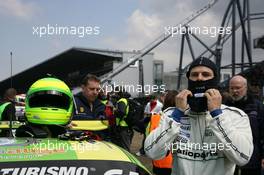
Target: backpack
(135,114)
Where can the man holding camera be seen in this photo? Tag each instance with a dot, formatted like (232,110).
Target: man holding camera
(204,136)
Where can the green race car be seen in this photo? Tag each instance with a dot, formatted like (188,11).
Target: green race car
(29,156)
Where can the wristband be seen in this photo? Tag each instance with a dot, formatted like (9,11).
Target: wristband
(216,112)
(177,114)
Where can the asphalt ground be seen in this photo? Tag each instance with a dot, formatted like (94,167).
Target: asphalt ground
(135,146)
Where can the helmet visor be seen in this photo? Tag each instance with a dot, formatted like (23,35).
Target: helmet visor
(50,99)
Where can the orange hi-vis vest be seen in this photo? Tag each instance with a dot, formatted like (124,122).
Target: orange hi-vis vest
(166,162)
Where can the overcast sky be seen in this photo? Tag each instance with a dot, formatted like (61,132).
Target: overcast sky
(113,24)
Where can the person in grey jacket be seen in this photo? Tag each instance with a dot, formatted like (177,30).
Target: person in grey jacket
(204,136)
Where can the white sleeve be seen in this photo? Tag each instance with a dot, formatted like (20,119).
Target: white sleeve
(232,128)
(159,107)
(147,108)
(159,140)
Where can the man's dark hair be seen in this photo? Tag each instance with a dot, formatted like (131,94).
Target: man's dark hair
(90,77)
(169,100)
(10,93)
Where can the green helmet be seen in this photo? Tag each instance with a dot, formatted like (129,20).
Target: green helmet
(49,101)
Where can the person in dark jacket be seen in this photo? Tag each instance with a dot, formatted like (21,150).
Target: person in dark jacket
(241,99)
(88,106)
(7,109)
(87,101)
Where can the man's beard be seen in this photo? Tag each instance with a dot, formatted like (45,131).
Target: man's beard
(237,98)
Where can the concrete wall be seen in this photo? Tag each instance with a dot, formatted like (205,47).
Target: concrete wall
(130,76)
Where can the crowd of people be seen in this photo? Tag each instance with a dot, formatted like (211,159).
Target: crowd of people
(197,130)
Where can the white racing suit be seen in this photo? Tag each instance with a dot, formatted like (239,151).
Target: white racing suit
(202,144)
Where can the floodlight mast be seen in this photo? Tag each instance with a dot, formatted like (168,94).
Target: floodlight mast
(157,42)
